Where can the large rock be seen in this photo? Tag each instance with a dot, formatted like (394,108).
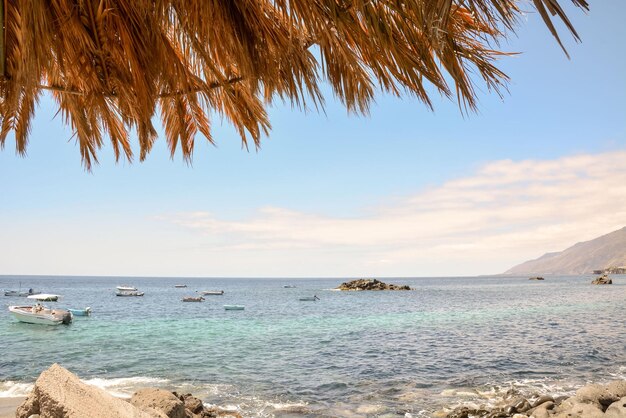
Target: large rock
(370,284)
(60,394)
(581,410)
(617,388)
(604,279)
(617,409)
(596,394)
(159,399)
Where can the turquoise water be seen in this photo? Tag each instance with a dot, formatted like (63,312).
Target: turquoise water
(450,341)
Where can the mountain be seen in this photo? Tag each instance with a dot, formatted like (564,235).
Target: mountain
(600,253)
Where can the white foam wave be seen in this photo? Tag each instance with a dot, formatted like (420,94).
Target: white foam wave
(124,387)
(11,389)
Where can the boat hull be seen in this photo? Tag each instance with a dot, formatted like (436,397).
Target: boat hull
(50,317)
(234,307)
(44,298)
(212,292)
(127,294)
(80,312)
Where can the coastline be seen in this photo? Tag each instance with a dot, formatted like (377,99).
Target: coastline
(8,406)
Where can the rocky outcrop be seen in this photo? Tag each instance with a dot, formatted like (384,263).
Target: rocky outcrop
(60,394)
(194,408)
(604,279)
(159,399)
(591,401)
(370,284)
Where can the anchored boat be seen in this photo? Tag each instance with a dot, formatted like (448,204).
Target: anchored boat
(212,292)
(20,293)
(126,288)
(180,286)
(309,299)
(80,312)
(44,297)
(41,315)
(234,307)
(128,293)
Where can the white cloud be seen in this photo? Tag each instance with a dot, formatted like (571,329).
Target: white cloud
(504,213)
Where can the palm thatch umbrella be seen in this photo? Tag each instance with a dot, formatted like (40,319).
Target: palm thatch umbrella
(112,65)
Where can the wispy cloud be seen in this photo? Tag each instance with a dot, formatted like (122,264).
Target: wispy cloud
(504,213)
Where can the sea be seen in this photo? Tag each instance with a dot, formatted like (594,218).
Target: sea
(448,342)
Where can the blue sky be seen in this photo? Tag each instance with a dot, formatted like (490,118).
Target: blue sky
(238,213)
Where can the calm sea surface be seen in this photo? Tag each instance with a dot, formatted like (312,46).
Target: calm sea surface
(450,341)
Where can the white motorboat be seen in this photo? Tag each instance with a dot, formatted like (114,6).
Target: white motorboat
(126,288)
(309,299)
(128,293)
(212,292)
(20,293)
(44,297)
(234,307)
(40,314)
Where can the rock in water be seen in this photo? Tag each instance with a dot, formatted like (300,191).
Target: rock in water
(370,284)
(604,279)
(159,399)
(60,394)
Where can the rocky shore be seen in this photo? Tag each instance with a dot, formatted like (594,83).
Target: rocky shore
(591,401)
(60,394)
(370,284)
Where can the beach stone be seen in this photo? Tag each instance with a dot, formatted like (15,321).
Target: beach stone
(596,394)
(617,388)
(519,416)
(616,409)
(160,400)
(192,403)
(58,393)
(542,399)
(542,411)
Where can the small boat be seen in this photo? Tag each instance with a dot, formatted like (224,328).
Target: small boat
(40,314)
(289,286)
(44,297)
(80,312)
(193,299)
(234,307)
(180,286)
(309,299)
(20,293)
(212,292)
(128,293)
(126,288)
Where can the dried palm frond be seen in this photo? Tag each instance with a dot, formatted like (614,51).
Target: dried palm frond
(111,65)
